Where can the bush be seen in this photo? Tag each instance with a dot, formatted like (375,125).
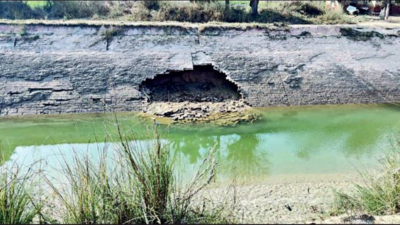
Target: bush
(19,10)
(379,194)
(53,10)
(75,9)
(309,9)
(139,13)
(333,17)
(196,13)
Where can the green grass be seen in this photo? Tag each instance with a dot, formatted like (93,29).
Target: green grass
(36,4)
(379,194)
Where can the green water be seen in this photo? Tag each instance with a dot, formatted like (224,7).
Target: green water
(286,141)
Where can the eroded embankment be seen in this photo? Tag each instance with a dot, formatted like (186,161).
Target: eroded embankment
(69,67)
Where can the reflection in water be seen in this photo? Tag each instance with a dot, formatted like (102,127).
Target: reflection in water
(192,147)
(246,158)
(237,155)
(300,140)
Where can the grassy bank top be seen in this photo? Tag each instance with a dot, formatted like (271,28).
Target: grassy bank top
(86,22)
(184,11)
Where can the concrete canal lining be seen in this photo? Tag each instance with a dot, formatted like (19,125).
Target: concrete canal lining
(62,67)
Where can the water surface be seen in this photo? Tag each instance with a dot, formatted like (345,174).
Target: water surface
(308,140)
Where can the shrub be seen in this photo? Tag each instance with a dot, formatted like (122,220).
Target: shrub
(75,9)
(53,10)
(236,14)
(196,13)
(334,17)
(19,10)
(139,13)
(305,8)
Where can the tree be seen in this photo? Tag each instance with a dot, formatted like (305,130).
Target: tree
(254,7)
(384,15)
(226,4)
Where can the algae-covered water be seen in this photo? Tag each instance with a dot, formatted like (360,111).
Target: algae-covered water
(286,141)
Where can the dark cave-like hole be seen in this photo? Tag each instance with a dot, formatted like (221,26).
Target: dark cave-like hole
(202,84)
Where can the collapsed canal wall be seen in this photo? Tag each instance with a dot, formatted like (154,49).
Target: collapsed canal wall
(67,68)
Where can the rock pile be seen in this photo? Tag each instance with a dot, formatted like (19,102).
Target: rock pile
(222,113)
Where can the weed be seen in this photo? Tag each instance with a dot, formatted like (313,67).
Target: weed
(23,31)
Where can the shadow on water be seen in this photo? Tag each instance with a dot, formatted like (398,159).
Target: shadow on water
(392,106)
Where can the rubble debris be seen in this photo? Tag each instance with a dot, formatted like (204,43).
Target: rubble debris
(227,113)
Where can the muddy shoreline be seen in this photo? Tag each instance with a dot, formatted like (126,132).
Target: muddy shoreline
(283,199)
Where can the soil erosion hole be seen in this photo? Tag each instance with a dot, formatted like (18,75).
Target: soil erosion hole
(202,84)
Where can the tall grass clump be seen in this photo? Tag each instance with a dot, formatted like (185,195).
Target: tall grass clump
(150,174)
(16,204)
(379,194)
(133,182)
(86,196)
